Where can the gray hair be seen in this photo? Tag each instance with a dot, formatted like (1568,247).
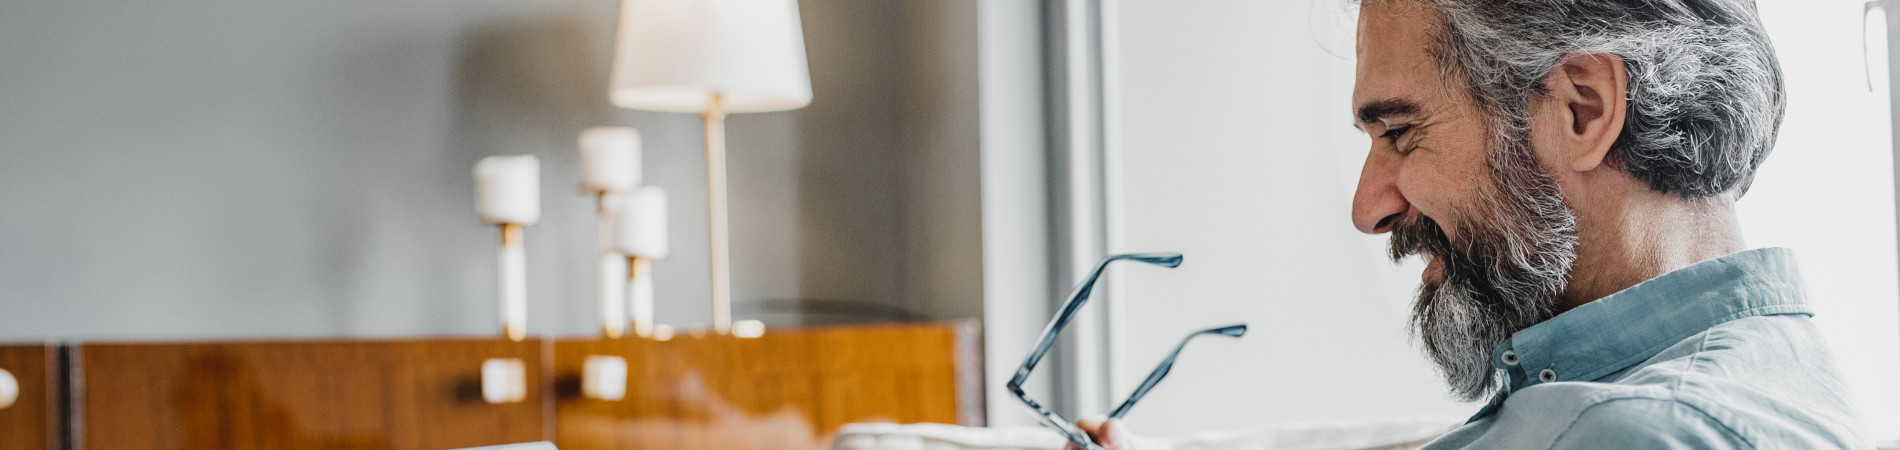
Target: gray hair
(1705,89)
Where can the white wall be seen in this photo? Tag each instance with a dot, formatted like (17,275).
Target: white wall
(1237,152)
(1827,192)
(940,156)
(210,169)
(1015,209)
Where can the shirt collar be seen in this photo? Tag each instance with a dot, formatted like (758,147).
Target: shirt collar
(1615,332)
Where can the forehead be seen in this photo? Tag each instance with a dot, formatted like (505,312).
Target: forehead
(1394,57)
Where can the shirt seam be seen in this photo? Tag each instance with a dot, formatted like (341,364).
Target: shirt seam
(1705,416)
(1681,378)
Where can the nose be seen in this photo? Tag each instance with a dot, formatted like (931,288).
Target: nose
(1377,205)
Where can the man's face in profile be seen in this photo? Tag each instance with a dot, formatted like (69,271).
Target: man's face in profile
(1474,202)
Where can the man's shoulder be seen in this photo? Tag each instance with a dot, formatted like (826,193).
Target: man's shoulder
(1711,413)
(1647,422)
(1576,415)
(1738,385)
(1579,415)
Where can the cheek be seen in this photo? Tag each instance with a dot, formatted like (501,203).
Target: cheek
(1550,134)
(1443,184)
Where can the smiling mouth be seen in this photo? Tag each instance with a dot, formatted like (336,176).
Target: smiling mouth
(1434,269)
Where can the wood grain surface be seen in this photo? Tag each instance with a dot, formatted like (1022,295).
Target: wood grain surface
(789,389)
(33,422)
(408,394)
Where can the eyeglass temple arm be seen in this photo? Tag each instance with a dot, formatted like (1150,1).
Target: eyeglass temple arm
(1076,299)
(1167,364)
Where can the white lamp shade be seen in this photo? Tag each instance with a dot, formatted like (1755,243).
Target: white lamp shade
(673,55)
(610,159)
(640,223)
(508,189)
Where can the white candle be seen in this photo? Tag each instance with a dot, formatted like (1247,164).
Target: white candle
(613,270)
(508,189)
(610,159)
(640,235)
(640,223)
(514,283)
(508,193)
(640,296)
(613,294)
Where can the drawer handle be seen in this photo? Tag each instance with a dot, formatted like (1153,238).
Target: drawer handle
(9,389)
(504,380)
(604,378)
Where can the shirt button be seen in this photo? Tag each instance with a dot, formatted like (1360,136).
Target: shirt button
(1510,357)
(1547,375)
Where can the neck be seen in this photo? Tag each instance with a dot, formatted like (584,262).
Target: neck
(1632,238)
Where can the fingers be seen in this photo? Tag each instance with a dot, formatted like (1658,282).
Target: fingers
(1087,426)
(1108,434)
(1090,426)
(1112,435)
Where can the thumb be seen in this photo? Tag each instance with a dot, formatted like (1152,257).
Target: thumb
(1093,428)
(1090,426)
(1112,434)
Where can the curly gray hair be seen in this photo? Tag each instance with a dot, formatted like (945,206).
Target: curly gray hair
(1705,90)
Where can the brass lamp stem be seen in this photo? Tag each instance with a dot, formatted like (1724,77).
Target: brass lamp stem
(640,295)
(715,116)
(514,314)
(613,295)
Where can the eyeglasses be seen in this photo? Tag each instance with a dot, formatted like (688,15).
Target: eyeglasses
(1061,320)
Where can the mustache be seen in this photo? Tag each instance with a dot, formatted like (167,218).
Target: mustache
(1421,236)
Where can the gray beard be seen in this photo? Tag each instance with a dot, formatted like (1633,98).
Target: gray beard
(1502,274)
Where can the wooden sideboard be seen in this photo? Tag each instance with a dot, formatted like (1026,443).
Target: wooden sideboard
(34,420)
(789,389)
(421,394)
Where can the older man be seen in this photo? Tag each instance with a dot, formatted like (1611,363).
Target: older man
(1569,170)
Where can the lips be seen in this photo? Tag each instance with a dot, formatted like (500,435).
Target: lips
(1434,269)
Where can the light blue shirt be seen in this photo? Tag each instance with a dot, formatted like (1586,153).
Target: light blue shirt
(1720,354)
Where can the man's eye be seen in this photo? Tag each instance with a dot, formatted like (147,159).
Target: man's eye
(1396,132)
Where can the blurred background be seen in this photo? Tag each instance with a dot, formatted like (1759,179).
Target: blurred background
(209,169)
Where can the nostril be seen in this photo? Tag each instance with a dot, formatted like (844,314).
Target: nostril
(1385,224)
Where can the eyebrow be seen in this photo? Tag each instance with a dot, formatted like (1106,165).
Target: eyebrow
(1375,110)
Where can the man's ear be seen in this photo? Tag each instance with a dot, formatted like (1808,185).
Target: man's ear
(1591,96)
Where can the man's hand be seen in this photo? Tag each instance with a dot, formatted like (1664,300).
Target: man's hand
(1111,435)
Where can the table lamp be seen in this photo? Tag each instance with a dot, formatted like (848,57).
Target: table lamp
(640,237)
(711,57)
(508,195)
(610,164)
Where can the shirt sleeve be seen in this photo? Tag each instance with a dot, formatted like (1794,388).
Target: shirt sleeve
(1641,423)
